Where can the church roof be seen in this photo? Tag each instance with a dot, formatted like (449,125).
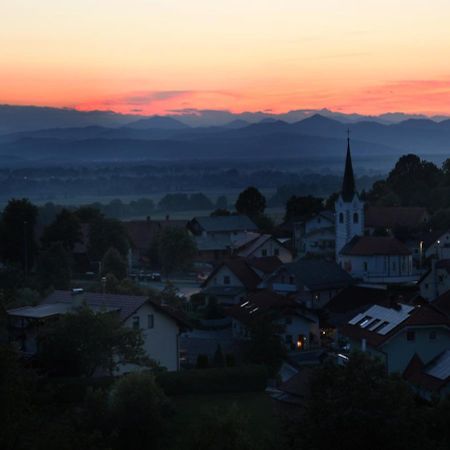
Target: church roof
(348,184)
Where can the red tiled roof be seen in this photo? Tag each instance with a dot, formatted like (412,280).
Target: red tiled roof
(415,374)
(443,303)
(375,245)
(392,217)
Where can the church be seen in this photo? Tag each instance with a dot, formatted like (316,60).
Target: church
(373,259)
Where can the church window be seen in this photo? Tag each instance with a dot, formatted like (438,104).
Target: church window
(355,218)
(341,218)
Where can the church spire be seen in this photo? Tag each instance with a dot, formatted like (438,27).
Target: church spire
(348,184)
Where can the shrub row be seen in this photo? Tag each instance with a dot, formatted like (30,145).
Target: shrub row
(249,378)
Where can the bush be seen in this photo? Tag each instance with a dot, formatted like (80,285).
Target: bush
(202,362)
(251,378)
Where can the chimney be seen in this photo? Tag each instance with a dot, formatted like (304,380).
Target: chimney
(77,297)
(363,345)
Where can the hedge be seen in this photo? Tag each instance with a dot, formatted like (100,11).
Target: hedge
(251,378)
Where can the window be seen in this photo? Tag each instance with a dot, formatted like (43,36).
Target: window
(410,336)
(355,218)
(136,324)
(150,321)
(365,266)
(264,252)
(432,335)
(341,218)
(226,279)
(276,251)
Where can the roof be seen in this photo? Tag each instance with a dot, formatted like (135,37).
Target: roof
(265,264)
(243,271)
(432,376)
(248,248)
(126,305)
(318,274)
(225,223)
(265,302)
(443,303)
(430,237)
(142,232)
(348,183)
(378,324)
(395,216)
(375,245)
(224,241)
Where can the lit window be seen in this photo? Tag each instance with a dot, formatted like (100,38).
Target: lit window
(136,324)
(150,321)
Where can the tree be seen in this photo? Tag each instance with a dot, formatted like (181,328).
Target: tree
(88,214)
(17,233)
(54,267)
(83,341)
(174,248)
(113,263)
(220,212)
(219,359)
(251,202)
(104,234)
(222,202)
(66,228)
(139,411)
(298,207)
(200,201)
(347,404)
(265,347)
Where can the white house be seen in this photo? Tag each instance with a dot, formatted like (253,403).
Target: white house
(435,281)
(349,208)
(160,325)
(377,259)
(316,235)
(264,245)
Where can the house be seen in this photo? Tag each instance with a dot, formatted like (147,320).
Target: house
(160,325)
(377,259)
(316,235)
(357,298)
(434,244)
(395,334)
(142,233)
(234,225)
(313,282)
(436,281)
(395,218)
(234,278)
(261,246)
(432,379)
(297,327)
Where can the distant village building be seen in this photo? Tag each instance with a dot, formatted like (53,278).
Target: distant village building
(218,226)
(396,334)
(313,282)
(297,327)
(160,324)
(436,281)
(377,259)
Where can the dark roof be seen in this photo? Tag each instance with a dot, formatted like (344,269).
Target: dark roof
(419,374)
(243,271)
(263,303)
(443,303)
(299,384)
(392,217)
(422,315)
(430,237)
(374,245)
(142,232)
(127,305)
(318,274)
(265,264)
(225,223)
(348,183)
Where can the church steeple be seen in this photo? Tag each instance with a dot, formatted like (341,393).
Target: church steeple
(348,184)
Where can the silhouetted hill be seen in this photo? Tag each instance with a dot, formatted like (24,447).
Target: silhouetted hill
(158,122)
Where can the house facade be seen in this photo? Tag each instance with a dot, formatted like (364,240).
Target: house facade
(160,325)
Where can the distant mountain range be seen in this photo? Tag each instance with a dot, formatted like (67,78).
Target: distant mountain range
(131,138)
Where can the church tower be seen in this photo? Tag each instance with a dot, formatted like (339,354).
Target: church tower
(348,207)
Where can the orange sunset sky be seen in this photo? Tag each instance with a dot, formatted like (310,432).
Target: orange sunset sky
(159,56)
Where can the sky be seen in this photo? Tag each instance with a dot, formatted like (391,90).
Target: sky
(167,56)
